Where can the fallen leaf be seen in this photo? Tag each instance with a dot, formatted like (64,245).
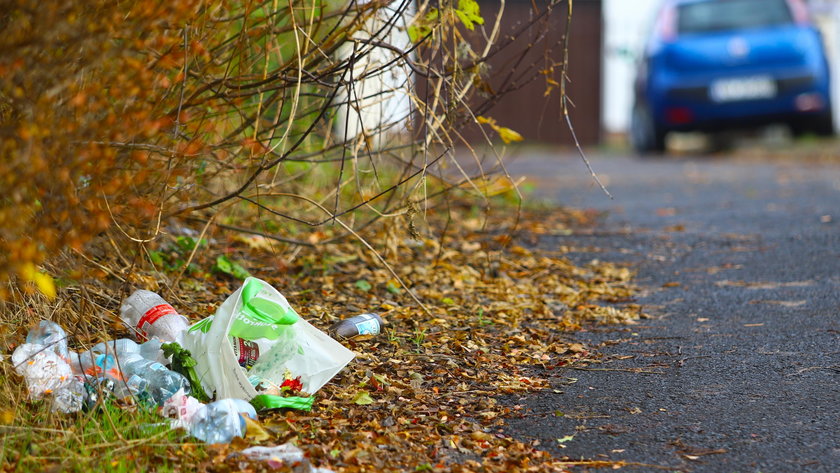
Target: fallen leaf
(363,285)
(230,267)
(255,430)
(362,398)
(790,304)
(666,212)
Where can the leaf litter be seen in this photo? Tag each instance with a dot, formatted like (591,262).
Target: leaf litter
(423,394)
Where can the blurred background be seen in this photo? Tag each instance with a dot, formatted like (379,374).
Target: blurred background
(608,43)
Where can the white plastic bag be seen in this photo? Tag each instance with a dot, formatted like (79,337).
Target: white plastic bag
(270,338)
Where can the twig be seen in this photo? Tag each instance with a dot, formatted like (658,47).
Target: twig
(565,101)
(628,370)
(183,83)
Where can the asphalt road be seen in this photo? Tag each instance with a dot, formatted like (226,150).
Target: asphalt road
(738,371)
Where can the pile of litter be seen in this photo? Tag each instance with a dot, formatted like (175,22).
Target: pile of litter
(255,353)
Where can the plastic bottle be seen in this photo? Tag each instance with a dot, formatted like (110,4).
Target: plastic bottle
(70,397)
(364,324)
(51,335)
(162,382)
(42,369)
(221,421)
(151,351)
(152,316)
(116,347)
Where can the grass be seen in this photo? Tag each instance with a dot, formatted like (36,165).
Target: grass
(108,438)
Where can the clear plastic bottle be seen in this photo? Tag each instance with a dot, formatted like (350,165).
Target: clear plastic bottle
(42,369)
(363,324)
(50,335)
(152,316)
(124,385)
(70,397)
(149,350)
(221,421)
(116,347)
(162,382)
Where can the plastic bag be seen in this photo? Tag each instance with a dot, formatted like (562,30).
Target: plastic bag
(254,336)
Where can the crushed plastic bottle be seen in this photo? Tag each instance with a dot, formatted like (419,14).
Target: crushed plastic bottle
(42,369)
(70,397)
(116,347)
(149,350)
(50,335)
(363,324)
(221,421)
(162,382)
(152,316)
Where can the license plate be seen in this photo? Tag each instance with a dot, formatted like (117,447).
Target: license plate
(744,88)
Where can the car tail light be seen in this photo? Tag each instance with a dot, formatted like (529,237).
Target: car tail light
(666,24)
(800,12)
(679,115)
(809,102)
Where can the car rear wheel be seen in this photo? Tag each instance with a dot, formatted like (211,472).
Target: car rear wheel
(820,125)
(645,136)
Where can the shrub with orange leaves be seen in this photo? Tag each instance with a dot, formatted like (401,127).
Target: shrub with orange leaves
(75,78)
(123,114)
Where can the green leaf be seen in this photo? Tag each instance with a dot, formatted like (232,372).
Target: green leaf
(186,244)
(363,399)
(184,363)
(157,258)
(228,266)
(422,26)
(565,439)
(363,285)
(393,287)
(448,301)
(469,14)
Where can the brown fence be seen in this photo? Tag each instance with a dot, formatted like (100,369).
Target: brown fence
(526,108)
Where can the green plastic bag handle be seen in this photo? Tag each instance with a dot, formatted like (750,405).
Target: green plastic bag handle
(267,401)
(263,310)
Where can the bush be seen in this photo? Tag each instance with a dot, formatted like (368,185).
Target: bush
(121,115)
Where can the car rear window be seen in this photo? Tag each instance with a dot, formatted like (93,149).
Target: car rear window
(726,15)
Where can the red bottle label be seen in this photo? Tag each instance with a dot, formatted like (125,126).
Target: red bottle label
(151,316)
(245,351)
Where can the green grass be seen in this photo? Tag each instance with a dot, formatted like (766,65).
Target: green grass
(108,438)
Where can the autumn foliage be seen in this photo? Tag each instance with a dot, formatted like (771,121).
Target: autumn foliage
(121,115)
(74,78)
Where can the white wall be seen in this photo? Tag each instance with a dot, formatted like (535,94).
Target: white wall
(626,27)
(827,16)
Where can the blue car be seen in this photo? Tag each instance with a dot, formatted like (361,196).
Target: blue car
(720,65)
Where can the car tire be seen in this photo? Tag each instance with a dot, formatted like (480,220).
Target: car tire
(645,136)
(820,125)
(824,124)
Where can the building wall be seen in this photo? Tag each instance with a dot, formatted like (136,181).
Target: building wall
(626,26)
(527,108)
